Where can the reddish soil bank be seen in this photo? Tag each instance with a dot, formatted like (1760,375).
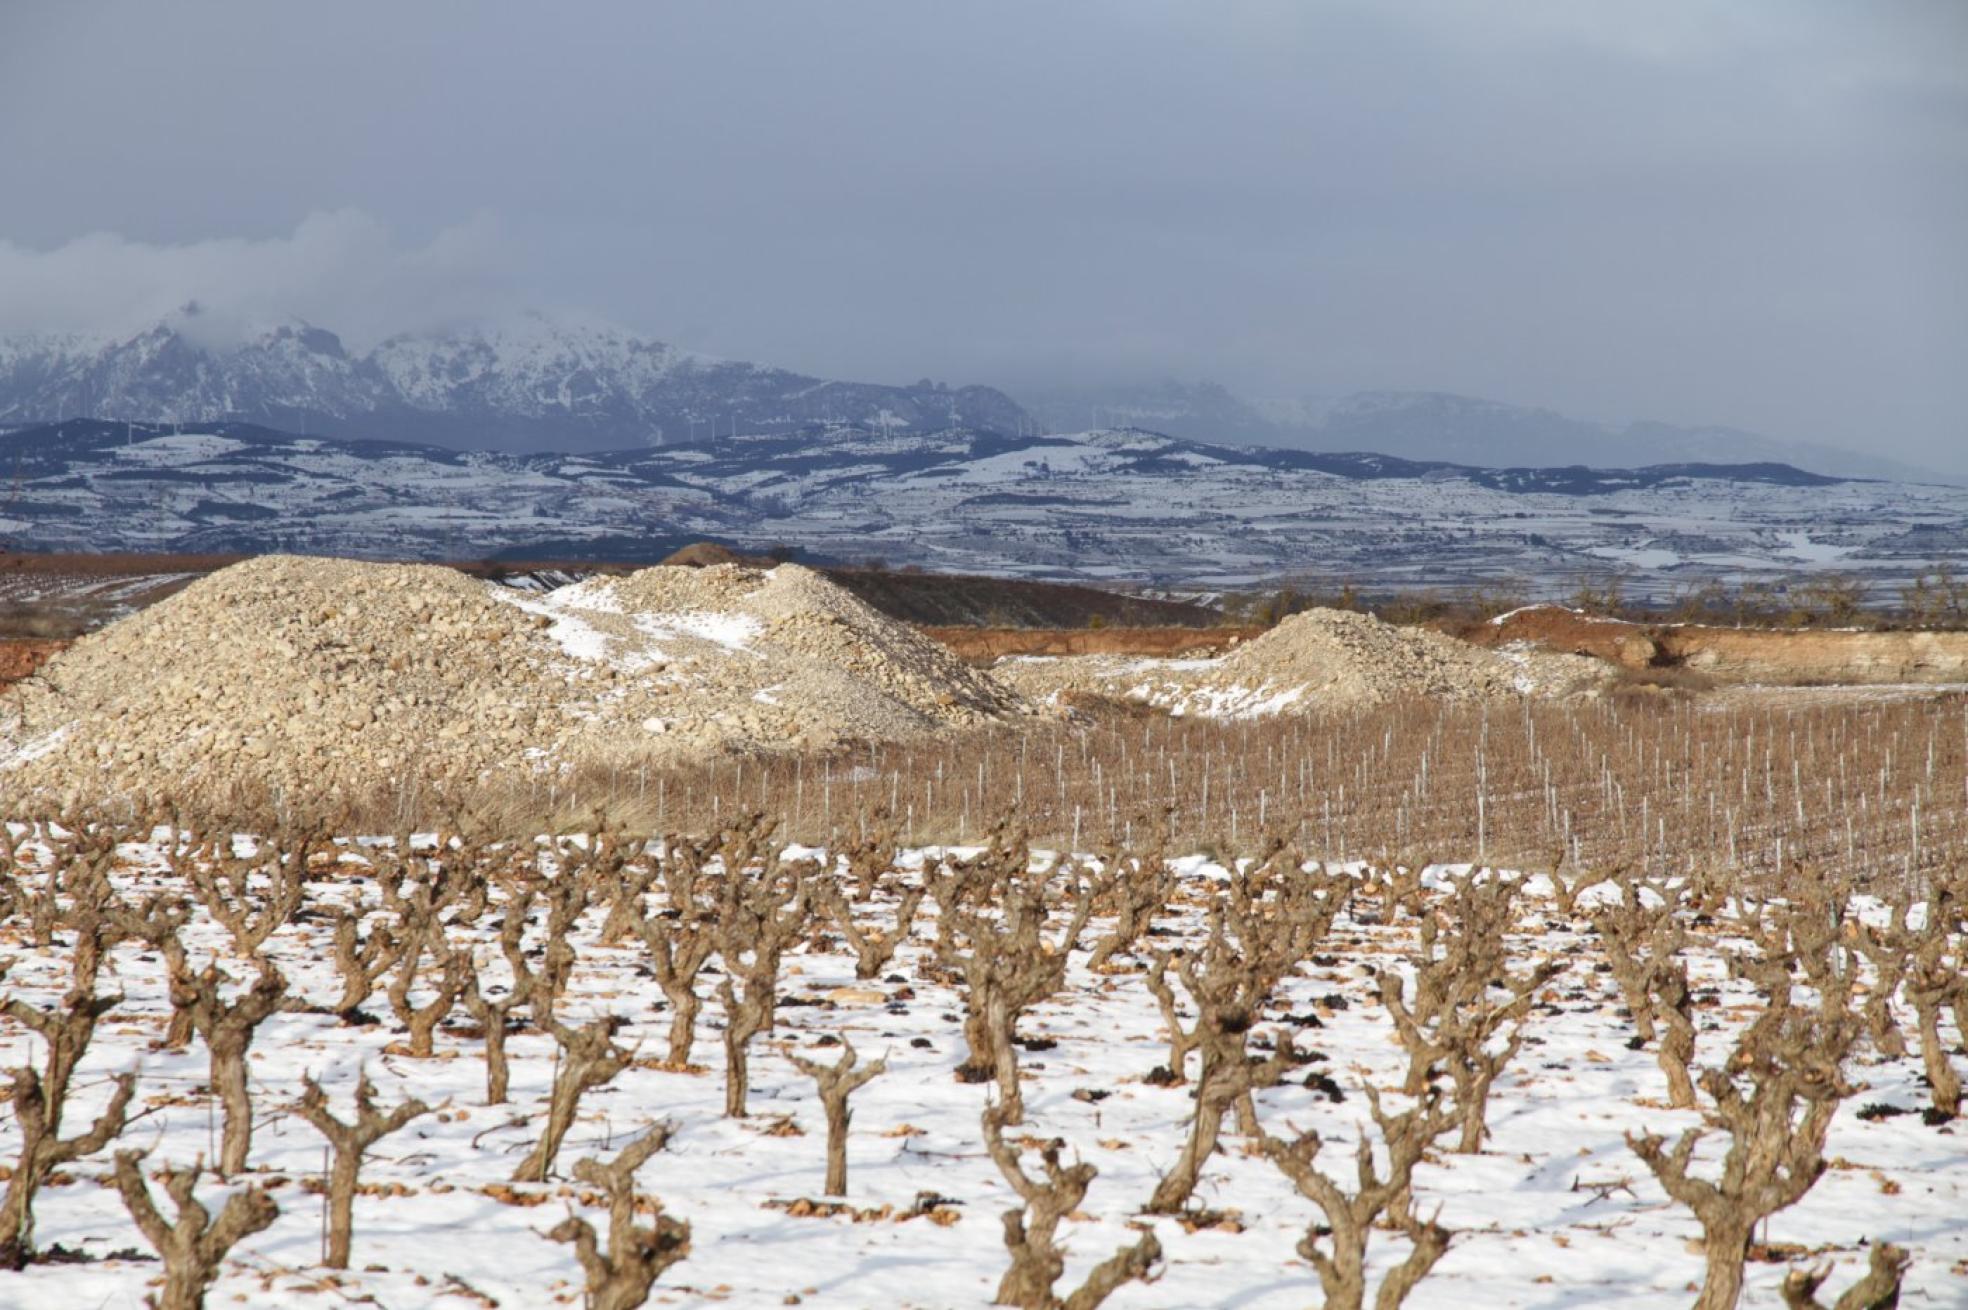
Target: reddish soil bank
(1760,655)
(20,658)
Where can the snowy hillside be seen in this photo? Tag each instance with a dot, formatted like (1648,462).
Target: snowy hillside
(1109,504)
(537,383)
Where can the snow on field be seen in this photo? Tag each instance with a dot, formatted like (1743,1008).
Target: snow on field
(1556,1212)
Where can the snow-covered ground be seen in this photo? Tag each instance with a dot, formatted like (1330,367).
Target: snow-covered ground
(1120,505)
(1556,1212)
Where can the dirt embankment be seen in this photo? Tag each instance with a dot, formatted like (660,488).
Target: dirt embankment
(982,645)
(1738,655)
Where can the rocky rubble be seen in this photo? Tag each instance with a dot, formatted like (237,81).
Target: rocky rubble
(311,678)
(1314,660)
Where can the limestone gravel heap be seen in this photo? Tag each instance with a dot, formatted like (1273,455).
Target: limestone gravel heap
(1341,655)
(312,678)
(1318,659)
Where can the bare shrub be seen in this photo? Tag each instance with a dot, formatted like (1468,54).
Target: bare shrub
(589,1058)
(39,1100)
(759,914)
(1456,1012)
(1643,940)
(454,976)
(1134,889)
(1267,918)
(873,946)
(362,960)
(637,1254)
(495,1017)
(1350,1218)
(679,941)
(1937,976)
(836,1083)
(1031,1231)
(567,901)
(1791,1058)
(1007,967)
(1890,949)
(1181,1040)
(227,1029)
(348,1142)
(193,1243)
(1567,887)
(1227,1081)
(1638,933)
(1877,1289)
(224,882)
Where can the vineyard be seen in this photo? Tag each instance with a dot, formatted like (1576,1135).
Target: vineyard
(732,1070)
(382,935)
(1667,786)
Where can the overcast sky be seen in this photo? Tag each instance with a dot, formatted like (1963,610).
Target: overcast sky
(1751,212)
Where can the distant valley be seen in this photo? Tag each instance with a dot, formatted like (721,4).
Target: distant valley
(1121,505)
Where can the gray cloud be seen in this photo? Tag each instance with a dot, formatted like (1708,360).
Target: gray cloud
(340,269)
(1744,213)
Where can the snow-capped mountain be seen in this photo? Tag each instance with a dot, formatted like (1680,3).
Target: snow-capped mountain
(1115,504)
(533,384)
(1436,425)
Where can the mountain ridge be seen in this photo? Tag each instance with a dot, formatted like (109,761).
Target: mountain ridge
(532,383)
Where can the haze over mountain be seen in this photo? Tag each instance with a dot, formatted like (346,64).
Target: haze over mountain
(532,382)
(1436,425)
